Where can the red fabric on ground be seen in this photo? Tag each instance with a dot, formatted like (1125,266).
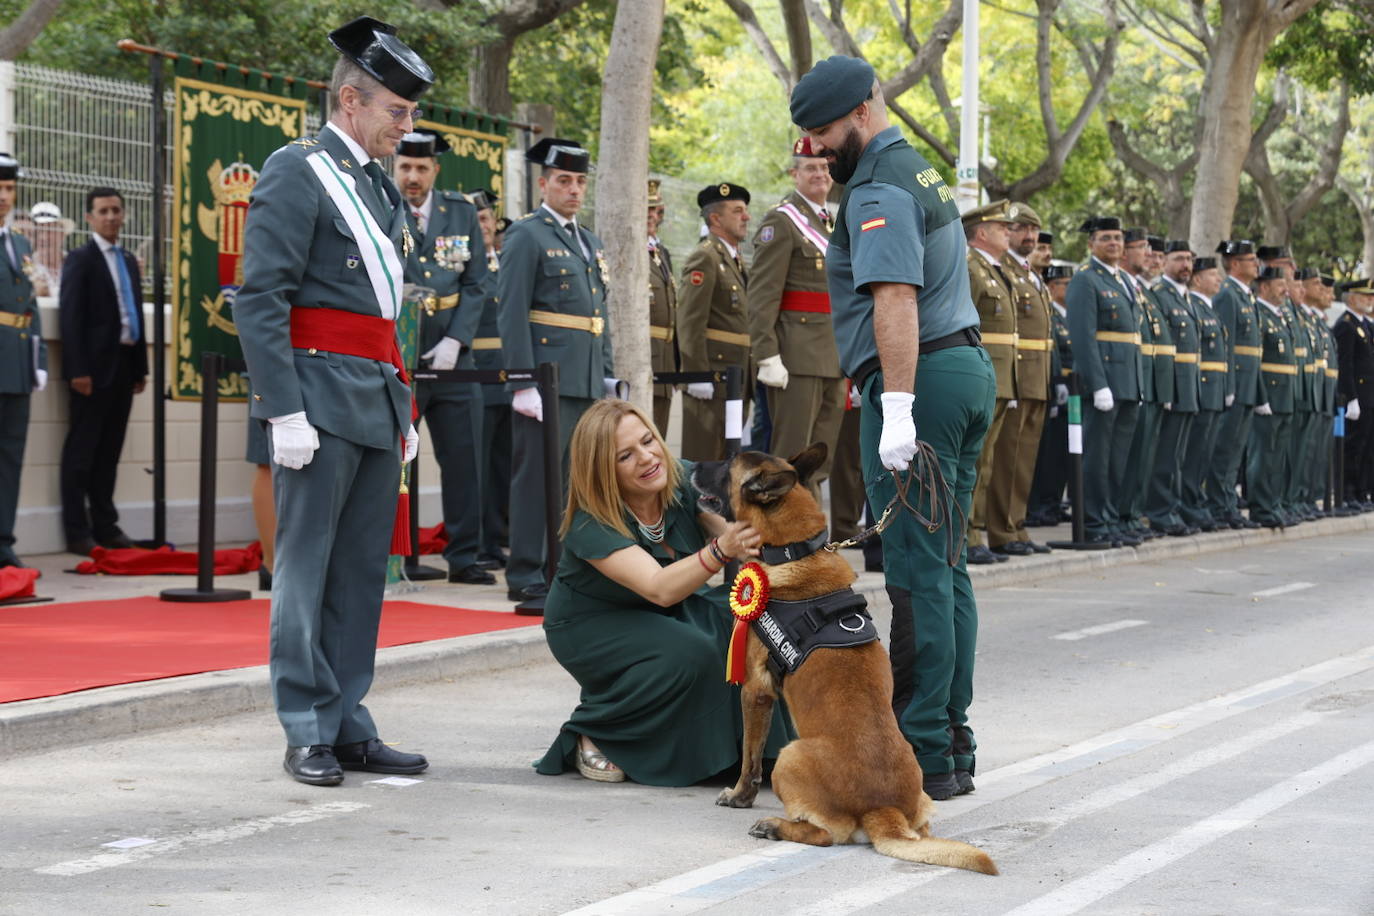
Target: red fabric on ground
(135,561)
(17,582)
(433,540)
(51,649)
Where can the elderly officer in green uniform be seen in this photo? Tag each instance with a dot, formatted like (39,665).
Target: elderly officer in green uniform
(1170,294)
(552,290)
(791,337)
(662,309)
(908,336)
(712,319)
(1239,313)
(1214,387)
(1156,381)
(1267,467)
(1019,441)
(496,412)
(1052,460)
(23,355)
(324,245)
(1104,323)
(986,236)
(449,258)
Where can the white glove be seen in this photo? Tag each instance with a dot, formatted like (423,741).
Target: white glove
(1352,410)
(1061,394)
(702,391)
(1013,404)
(41,382)
(1230,399)
(856,397)
(617,388)
(1102,399)
(1054,411)
(444,354)
(897,443)
(412,445)
(1169,405)
(772,372)
(294,440)
(527,403)
(1264,410)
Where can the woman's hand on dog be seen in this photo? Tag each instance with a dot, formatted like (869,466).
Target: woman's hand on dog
(739,540)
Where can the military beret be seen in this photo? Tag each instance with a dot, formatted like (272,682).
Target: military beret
(1328,280)
(1308,273)
(9,167)
(1270,273)
(373,45)
(1023,214)
(1156,242)
(1201,264)
(803,147)
(1235,247)
(655,195)
(422,143)
(1362,285)
(1099,224)
(553,153)
(1045,238)
(1272,252)
(996,212)
(724,191)
(832,89)
(1173,245)
(483,199)
(1133,234)
(1058,272)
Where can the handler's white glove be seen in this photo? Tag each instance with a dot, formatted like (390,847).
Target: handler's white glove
(412,445)
(1169,405)
(1054,411)
(856,397)
(41,382)
(617,388)
(1230,399)
(1102,399)
(897,443)
(702,391)
(444,354)
(1061,394)
(294,440)
(1264,410)
(772,372)
(1013,404)
(1352,410)
(527,403)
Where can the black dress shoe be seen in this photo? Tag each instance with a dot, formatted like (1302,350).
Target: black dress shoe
(1035,548)
(1249,524)
(491,561)
(940,786)
(82,547)
(9,559)
(1208,527)
(528,593)
(373,756)
(314,765)
(981,556)
(1173,531)
(965,780)
(1127,540)
(264,579)
(471,575)
(1107,539)
(1014,549)
(117,541)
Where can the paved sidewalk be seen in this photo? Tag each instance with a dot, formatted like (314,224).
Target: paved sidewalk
(109,712)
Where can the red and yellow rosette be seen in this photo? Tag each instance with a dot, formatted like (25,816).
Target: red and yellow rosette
(748,598)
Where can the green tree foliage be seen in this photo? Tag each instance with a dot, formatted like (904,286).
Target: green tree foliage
(1333,40)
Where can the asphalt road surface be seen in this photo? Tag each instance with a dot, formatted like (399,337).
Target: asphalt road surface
(1192,736)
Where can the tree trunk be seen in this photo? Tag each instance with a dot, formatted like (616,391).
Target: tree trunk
(622,194)
(16,37)
(1364,206)
(489,78)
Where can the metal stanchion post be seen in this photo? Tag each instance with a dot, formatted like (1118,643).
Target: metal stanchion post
(1079,541)
(734,410)
(205,591)
(547,375)
(1337,463)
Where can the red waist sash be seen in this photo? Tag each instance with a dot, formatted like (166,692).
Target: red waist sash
(349,333)
(795,300)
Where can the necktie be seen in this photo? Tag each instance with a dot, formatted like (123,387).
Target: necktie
(126,293)
(9,250)
(739,265)
(374,171)
(419,222)
(825,217)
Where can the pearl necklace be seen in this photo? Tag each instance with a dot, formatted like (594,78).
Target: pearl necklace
(653,532)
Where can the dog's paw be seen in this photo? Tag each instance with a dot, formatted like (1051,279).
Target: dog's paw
(766,829)
(730,798)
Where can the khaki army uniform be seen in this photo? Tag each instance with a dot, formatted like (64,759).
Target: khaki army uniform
(662,328)
(789,316)
(992,294)
(712,334)
(1018,442)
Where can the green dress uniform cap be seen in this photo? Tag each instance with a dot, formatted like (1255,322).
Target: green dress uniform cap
(1023,215)
(1173,245)
(724,191)
(1235,247)
(482,199)
(422,143)
(1045,238)
(1201,264)
(373,45)
(999,211)
(1270,273)
(1328,280)
(832,89)
(9,167)
(1058,272)
(1158,244)
(554,153)
(1134,234)
(655,194)
(1099,224)
(1272,252)
(1307,273)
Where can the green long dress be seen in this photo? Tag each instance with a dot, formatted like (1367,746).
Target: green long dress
(654,695)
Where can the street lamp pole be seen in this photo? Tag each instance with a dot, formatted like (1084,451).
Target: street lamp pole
(966,192)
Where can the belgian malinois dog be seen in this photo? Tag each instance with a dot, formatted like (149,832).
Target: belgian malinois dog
(850,777)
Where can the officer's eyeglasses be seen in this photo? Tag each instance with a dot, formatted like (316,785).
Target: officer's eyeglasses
(400,114)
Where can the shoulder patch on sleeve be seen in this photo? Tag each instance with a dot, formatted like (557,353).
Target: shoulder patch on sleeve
(877,222)
(696,277)
(766,234)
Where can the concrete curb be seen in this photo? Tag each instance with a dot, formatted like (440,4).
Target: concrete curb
(30,726)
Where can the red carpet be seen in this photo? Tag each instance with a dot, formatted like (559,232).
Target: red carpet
(49,649)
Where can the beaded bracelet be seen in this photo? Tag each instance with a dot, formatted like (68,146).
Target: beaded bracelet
(716,552)
(702,561)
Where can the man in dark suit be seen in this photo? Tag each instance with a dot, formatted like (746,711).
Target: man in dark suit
(105,360)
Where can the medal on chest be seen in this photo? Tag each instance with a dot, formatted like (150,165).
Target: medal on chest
(407,243)
(451,252)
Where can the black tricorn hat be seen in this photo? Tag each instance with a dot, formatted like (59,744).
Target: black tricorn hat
(483,199)
(502,224)
(1328,280)
(1308,273)
(373,45)
(1156,243)
(554,153)
(1270,273)
(1233,247)
(1272,252)
(1045,238)
(1362,285)
(721,192)
(1201,264)
(9,167)
(1175,245)
(422,143)
(1099,224)
(1058,272)
(1134,234)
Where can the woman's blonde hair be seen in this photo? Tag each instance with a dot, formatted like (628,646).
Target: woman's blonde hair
(592,485)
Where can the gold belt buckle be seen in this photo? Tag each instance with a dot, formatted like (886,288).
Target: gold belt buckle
(429,303)
(598,325)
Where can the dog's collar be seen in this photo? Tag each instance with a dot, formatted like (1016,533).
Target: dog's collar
(788,553)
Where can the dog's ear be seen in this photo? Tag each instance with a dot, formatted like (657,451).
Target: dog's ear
(809,460)
(769,485)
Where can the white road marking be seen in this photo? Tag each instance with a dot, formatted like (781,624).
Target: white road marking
(395,781)
(1091,888)
(689,891)
(1282,589)
(1074,635)
(207,837)
(129,842)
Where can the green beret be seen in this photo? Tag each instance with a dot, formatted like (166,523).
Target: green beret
(833,88)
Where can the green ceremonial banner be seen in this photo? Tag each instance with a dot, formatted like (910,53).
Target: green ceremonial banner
(478,155)
(228,121)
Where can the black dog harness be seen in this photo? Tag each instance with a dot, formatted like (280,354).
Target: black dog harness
(792,630)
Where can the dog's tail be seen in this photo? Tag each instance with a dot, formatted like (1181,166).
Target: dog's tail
(891,835)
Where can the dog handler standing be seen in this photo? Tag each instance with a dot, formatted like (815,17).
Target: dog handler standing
(897,275)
